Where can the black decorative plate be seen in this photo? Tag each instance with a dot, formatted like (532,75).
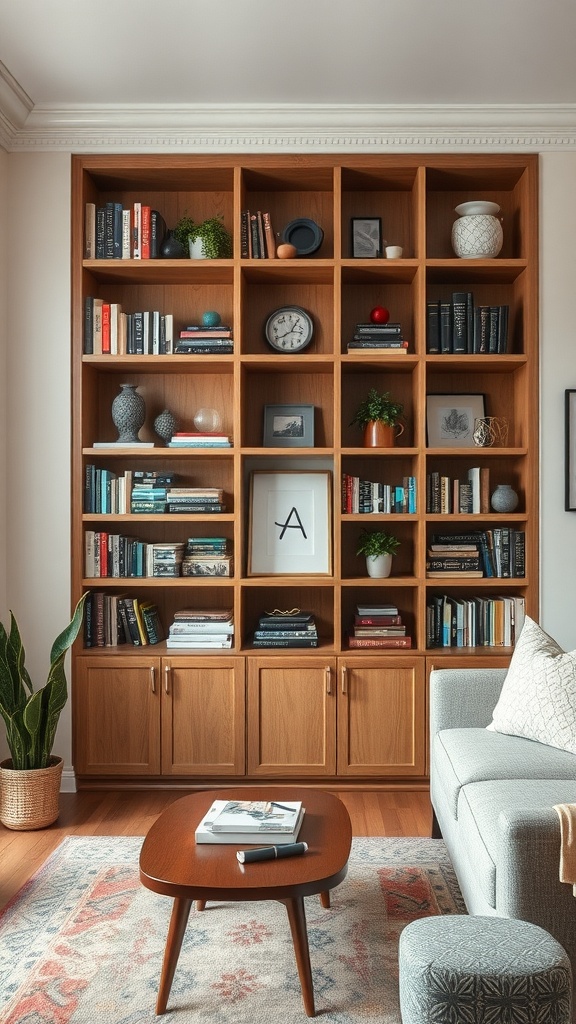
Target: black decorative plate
(305,235)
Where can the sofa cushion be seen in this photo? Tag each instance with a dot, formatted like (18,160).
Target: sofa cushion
(538,698)
(461,756)
(481,809)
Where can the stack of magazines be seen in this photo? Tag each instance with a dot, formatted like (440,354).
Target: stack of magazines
(251,822)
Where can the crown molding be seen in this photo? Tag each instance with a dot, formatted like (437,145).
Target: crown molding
(279,127)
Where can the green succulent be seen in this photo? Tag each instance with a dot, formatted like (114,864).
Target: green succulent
(31,716)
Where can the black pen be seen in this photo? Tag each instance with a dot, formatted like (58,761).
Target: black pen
(282,807)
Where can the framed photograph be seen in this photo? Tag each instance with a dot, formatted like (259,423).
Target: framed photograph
(288,426)
(570,406)
(450,420)
(290,523)
(366,237)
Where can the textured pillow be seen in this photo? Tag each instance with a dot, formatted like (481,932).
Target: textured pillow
(538,698)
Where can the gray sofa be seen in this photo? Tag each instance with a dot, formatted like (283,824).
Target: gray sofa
(493,799)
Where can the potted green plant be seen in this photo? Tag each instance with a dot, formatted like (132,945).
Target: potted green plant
(30,778)
(207,240)
(378,548)
(379,416)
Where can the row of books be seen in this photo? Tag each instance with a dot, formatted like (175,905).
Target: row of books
(257,240)
(196,340)
(368,338)
(251,822)
(208,628)
(447,495)
(381,627)
(112,620)
(474,621)
(295,629)
(108,330)
(459,326)
(114,555)
(370,496)
(498,553)
(106,493)
(113,231)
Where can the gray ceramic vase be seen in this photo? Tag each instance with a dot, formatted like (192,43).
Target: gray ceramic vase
(128,414)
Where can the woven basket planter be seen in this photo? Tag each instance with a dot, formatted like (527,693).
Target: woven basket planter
(29,799)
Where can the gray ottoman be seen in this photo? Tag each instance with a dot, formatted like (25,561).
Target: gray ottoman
(482,970)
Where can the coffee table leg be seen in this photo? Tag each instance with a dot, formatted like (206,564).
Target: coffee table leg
(176,929)
(297,919)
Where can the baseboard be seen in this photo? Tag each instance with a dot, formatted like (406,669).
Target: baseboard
(68,783)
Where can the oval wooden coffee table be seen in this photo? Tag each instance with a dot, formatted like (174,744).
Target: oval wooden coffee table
(171,863)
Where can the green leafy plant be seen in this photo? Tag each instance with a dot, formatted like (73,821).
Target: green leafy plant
(377,406)
(375,542)
(31,716)
(215,237)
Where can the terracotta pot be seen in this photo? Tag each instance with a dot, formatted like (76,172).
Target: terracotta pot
(381,435)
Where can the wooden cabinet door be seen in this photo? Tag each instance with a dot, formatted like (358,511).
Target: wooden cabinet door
(116,708)
(381,716)
(291,716)
(203,703)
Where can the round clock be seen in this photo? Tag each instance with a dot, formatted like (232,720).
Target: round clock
(289,329)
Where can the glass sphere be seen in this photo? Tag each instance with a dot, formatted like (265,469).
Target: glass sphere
(207,420)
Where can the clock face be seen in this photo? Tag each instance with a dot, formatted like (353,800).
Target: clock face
(289,329)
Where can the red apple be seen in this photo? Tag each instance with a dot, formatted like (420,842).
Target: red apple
(380,315)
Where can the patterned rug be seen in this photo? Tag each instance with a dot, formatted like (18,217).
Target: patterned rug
(83,941)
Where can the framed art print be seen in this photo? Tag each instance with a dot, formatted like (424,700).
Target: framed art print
(570,401)
(450,420)
(366,237)
(290,523)
(288,426)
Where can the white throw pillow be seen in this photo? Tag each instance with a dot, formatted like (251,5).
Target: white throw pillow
(538,698)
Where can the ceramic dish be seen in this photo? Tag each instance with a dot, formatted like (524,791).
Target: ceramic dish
(305,235)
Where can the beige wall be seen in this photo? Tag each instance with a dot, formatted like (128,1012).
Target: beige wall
(36,523)
(3,393)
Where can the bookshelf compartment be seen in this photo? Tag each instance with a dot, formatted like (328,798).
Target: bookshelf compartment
(401,384)
(389,592)
(288,196)
(388,193)
(287,286)
(285,595)
(367,286)
(404,562)
(267,387)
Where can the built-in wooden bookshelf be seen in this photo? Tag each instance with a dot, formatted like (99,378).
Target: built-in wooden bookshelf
(327,714)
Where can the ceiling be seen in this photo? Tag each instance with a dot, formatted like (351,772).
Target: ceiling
(80,63)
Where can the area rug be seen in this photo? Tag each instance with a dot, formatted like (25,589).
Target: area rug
(83,941)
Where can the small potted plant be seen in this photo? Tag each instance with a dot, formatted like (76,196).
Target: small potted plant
(30,778)
(378,548)
(379,416)
(209,240)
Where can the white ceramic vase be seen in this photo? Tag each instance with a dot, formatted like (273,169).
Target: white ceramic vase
(379,566)
(196,248)
(477,234)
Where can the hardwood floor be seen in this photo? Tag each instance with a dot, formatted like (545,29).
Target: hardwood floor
(122,813)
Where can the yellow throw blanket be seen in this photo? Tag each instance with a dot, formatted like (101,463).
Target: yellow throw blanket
(567,815)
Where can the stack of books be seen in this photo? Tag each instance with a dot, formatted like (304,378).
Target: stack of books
(149,493)
(457,558)
(199,439)
(378,625)
(368,338)
(195,340)
(251,822)
(207,556)
(290,630)
(195,500)
(205,627)
(164,558)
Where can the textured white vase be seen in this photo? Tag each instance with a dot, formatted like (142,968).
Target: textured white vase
(379,566)
(196,248)
(477,234)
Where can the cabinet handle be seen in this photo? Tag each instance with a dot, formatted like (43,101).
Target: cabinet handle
(344,679)
(328,679)
(166,678)
(153,678)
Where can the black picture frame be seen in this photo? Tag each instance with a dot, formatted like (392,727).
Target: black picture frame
(570,449)
(366,237)
(288,426)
